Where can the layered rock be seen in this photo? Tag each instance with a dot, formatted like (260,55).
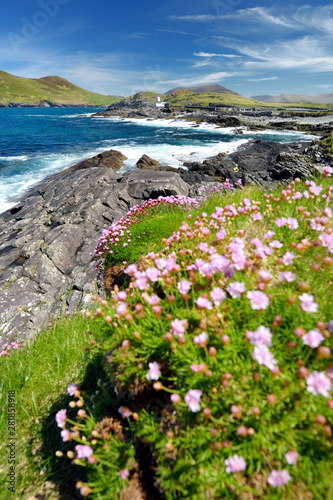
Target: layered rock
(47,241)
(260,162)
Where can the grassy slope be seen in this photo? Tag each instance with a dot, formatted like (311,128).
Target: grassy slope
(51,88)
(184,97)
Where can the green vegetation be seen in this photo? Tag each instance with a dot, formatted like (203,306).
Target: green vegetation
(328,143)
(50,88)
(183,98)
(191,324)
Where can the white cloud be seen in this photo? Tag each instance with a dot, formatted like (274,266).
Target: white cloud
(176,32)
(206,54)
(308,54)
(209,78)
(262,79)
(201,18)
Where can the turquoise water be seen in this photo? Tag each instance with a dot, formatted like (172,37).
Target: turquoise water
(38,142)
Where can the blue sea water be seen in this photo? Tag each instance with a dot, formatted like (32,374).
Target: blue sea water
(38,142)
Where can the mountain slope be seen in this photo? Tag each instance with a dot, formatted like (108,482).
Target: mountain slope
(30,91)
(214,87)
(320,98)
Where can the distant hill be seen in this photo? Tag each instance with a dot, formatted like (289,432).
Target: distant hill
(184,97)
(214,87)
(319,98)
(50,89)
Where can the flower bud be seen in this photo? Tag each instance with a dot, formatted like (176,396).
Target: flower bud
(321,420)
(271,398)
(324,352)
(242,431)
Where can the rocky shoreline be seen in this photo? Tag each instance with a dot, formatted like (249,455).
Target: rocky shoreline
(47,104)
(47,240)
(254,119)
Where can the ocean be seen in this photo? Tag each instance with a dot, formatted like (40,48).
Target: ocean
(38,142)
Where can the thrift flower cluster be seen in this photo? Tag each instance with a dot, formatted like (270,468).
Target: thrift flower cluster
(228,330)
(119,233)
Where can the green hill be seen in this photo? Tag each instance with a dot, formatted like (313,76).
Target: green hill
(57,90)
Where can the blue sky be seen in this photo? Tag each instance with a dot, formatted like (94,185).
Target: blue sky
(119,48)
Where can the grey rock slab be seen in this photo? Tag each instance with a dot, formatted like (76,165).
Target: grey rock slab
(64,247)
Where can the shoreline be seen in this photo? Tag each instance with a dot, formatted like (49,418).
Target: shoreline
(170,122)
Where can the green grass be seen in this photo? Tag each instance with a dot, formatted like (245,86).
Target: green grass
(167,442)
(183,98)
(52,88)
(328,143)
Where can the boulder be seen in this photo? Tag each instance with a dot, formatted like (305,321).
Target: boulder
(147,163)
(110,159)
(145,184)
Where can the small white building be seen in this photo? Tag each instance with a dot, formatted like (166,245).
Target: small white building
(159,103)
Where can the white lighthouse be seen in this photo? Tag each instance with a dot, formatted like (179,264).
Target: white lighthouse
(159,103)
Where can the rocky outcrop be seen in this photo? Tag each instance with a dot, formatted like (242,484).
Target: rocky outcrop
(111,159)
(47,241)
(147,163)
(259,162)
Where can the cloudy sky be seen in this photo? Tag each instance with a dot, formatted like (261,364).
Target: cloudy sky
(121,47)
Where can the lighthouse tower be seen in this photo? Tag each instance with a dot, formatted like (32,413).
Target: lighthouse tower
(159,103)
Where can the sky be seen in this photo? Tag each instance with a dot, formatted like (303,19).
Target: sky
(122,47)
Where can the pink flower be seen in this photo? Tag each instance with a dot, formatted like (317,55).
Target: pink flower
(307,303)
(318,383)
(124,473)
(66,435)
(154,372)
(262,335)
(124,411)
(264,356)
(153,274)
(276,244)
(175,398)
(122,296)
(61,418)
(257,216)
(259,300)
(279,478)
(221,235)
(236,288)
(72,389)
(313,338)
(316,190)
(184,286)
(201,339)
(141,283)
(154,300)
(179,327)
(83,451)
(192,399)
(328,171)
(122,309)
(160,263)
(288,276)
(292,223)
(203,303)
(280,222)
(131,269)
(235,463)
(218,295)
(288,258)
(292,457)
(269,235)
(265,276)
